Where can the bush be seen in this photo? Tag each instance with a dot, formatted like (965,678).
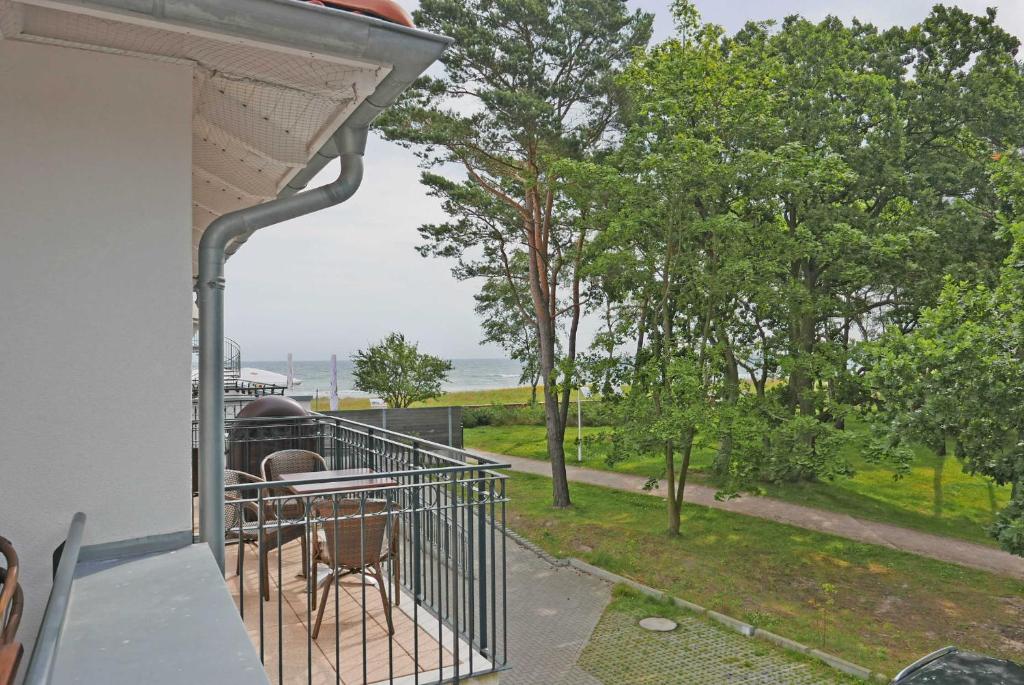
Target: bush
(594,414)
(502,415)
(597,413)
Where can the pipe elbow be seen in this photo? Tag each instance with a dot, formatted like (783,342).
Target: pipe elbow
(349,179)
(237,226)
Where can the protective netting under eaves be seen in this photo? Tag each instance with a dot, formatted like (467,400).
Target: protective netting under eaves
(260,112)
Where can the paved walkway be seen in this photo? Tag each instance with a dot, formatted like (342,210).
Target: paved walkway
(552,611)
(905,539)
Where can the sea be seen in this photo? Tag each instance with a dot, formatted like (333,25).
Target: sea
(466,374)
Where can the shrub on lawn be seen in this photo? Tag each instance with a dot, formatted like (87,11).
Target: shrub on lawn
(502,415)
(594,414)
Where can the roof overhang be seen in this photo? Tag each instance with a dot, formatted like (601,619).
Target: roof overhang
(272,79)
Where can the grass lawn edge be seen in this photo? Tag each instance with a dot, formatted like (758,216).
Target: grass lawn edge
(873,648)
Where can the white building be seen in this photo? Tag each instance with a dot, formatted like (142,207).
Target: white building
(127,127)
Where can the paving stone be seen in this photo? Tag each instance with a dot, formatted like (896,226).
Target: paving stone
(699,652)
(552,611)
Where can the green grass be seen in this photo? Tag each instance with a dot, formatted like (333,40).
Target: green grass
(530,442)
(461,398)
(889,607)
(324,403)
(469,398)
(936,497)
(527,441)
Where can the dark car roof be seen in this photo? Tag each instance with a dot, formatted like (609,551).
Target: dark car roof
(965,668)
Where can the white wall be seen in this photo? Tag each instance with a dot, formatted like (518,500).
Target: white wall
(95,306)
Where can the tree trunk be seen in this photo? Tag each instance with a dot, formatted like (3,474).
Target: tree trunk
(937,491)
(800,382)
(554,424)
(543,293)
(670,478)
(556,452)
(684,468)
(802,334)
(723,459)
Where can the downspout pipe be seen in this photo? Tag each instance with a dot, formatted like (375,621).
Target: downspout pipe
(350,142)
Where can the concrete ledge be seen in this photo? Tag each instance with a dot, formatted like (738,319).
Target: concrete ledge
(783,642)
(689,606)
(737,625)
(841,664)
(610,577)
(162,618)
(523,542)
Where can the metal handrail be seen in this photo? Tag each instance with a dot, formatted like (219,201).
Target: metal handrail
(417,471)
(420,441)
(232,358)
(40,664)
(379,434)
(449,508)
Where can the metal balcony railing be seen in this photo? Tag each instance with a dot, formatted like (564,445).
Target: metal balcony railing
(433,520)
(233,382)
(44,653)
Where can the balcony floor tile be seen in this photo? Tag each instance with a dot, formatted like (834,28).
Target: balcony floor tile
(321,665)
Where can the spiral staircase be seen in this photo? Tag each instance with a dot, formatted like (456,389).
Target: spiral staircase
(233,383)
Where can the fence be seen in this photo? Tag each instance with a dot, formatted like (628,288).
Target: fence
(442,425)
(420,524)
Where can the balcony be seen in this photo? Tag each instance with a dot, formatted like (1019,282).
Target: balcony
(416,531)
(432,516)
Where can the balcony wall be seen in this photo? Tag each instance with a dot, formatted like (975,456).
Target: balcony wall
(95,313)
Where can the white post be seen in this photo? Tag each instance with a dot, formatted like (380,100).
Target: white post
(579,424)
(334,383)
(291,372)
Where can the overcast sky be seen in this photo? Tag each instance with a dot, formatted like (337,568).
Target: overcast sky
(342,278)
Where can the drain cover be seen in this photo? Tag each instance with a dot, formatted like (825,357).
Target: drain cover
(660,625)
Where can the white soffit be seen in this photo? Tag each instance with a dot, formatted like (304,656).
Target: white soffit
(259,111)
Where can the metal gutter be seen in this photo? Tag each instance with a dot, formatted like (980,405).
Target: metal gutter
(410,52)
(210,289)
(290,23)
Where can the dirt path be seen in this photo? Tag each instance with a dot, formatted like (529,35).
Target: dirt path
(905,539)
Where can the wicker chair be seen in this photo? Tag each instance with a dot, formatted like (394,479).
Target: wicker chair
(284,462)
(357,536)
(241,523)
(12,602)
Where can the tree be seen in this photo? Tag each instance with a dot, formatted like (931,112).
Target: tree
(874,177)
(525,85)
(398,372)
(959,376)
(506,321)
(789,191)
(782,194)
